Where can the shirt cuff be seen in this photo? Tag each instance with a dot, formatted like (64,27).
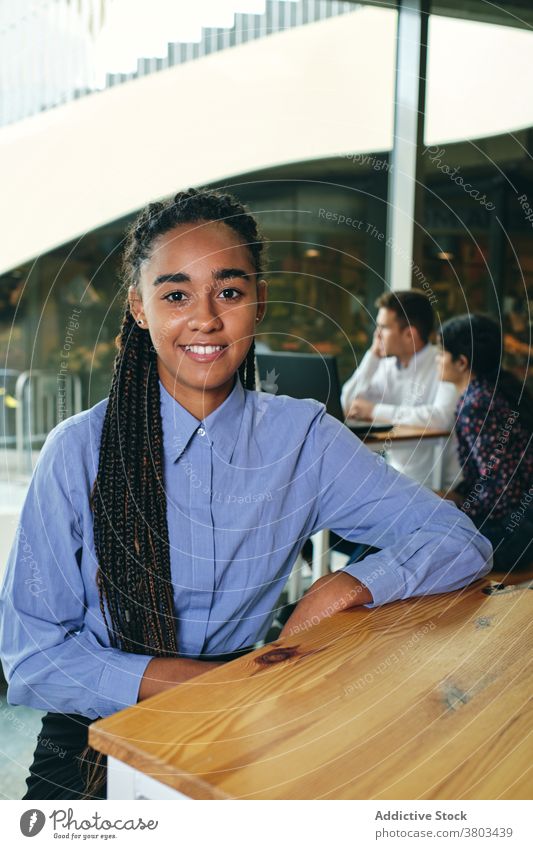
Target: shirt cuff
(120,682)
(383,581)
(385,412)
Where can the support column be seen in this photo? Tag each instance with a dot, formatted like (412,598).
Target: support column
(405,196)
(497,247)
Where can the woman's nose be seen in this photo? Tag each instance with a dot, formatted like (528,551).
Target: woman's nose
(205,317)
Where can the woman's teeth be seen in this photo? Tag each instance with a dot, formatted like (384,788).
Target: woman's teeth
(204,349)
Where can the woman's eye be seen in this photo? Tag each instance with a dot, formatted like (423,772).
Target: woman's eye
(175,297)
(230,294)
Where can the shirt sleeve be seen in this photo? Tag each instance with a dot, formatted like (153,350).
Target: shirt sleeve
(427,544)
(439,414)
(52,657)
(368,380)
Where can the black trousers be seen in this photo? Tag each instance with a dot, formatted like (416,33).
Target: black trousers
(57,771)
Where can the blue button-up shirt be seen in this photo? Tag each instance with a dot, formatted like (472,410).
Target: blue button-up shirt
(245,488)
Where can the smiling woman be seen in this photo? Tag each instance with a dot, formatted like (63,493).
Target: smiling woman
(168,517)
(182,297)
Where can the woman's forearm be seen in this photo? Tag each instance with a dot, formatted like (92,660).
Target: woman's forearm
(162,673)
(330,594)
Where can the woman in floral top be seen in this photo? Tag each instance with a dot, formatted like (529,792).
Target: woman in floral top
(494,427)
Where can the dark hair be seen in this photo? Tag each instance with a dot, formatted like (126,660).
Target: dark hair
(479,338)
(411,307)
(128,498)
(187,208)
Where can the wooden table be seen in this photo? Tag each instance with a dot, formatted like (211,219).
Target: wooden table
(421,699)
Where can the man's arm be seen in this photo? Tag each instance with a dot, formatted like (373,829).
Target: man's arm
(368,379)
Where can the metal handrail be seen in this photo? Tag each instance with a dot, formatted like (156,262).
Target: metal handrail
(7,375)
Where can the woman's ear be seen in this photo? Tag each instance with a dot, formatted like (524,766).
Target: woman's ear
(261,300)
(463,363)
(136,305)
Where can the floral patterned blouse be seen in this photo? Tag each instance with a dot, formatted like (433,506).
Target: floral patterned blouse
(495,451)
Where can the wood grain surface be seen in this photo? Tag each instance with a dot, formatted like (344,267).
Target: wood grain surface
(422,699)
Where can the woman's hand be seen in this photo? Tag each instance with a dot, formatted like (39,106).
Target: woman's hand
(327,596)
(377,346)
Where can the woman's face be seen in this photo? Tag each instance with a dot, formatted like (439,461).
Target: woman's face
(200,302)
(454,371)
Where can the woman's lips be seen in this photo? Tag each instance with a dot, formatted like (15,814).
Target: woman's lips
(203,353)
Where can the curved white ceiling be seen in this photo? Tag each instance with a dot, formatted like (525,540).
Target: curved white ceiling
(322,90)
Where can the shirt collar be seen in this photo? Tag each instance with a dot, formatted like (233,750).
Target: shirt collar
(222,426)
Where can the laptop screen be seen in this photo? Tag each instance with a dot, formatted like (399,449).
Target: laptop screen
(302,376)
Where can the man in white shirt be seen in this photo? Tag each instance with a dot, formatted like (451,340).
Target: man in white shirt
(398,381)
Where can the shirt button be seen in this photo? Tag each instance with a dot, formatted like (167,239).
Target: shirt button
(201,431)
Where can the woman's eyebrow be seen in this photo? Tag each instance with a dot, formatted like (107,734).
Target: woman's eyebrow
(218,274)
(227,273)
(177,277)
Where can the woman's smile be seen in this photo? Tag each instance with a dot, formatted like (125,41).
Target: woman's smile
(204,353)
